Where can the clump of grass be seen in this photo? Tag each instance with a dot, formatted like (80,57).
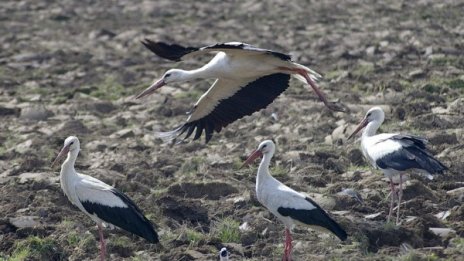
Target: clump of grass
(227,230)
(456,84)
(363,69)
(88,243)
(36,248)
(193,166)
(279,171)
(193,236)
(73,239)
(413,256)
(431,88)
(109,89)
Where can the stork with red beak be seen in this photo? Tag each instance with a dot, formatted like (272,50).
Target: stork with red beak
(395,153)
(248,79)
(101,202)
(288,205)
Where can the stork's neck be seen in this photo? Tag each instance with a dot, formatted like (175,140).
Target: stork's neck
(263,170)
(371,128)
(67,168)
(204,72)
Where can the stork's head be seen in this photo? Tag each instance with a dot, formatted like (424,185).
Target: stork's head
(171,76)
(71,143)
(264,148)
(375,114)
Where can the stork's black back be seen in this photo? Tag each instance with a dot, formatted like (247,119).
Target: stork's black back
(129,218)
(412,155)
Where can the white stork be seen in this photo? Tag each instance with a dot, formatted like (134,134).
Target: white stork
(287,204)
(101,202)
(394,153)
(247,80)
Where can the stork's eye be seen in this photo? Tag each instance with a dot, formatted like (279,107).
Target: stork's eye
(369,114)
(264,146)
(167,75)
(72,142)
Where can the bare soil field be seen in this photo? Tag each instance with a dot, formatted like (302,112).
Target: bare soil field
(74,67)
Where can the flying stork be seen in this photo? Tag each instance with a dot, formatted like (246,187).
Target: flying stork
(101,202)
(248,79)
(290,206)
(394,153)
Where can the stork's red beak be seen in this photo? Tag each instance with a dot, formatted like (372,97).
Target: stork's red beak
(255,154)
(64,151)
(156,85)
(361,125)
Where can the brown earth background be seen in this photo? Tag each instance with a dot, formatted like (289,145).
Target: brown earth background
(73,67)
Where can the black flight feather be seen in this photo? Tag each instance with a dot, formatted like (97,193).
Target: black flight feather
(314,217)
(129,218)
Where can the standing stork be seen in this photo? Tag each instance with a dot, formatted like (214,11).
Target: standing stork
(287,204)
(248,79)
(394,153)
(101,202)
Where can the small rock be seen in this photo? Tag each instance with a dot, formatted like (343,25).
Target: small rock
(370,51)
(23,147)
(38,176)
(124,133)
(24,221)
(416,73)
(443,215)
(36,113)
(103,107)
(73,127)
(442,232)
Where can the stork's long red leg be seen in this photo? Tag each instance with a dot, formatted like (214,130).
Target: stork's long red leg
(400,194)
(392,199)
(288,246)
(102,243)
(319,93)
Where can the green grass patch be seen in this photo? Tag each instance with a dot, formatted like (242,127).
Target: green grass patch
(227,230)
(194,237)
(456,84)
(279,171)
(36,248)
(363,69)
(193,165)
(109,89)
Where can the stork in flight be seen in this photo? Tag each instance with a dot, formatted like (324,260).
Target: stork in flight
(248,79)
(290,206)
(395,153)
(101,202)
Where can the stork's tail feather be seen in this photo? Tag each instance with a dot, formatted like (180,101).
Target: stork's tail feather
(427,161)
(169,136)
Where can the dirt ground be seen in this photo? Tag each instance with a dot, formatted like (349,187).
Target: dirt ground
(73,67)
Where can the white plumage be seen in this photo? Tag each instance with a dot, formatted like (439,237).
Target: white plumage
(247,80)
(288,205)
(101,202)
